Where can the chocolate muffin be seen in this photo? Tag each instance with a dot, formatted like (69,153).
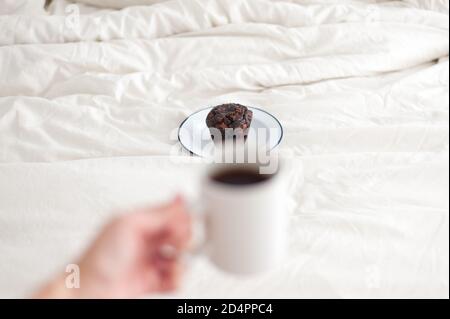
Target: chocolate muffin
(231,120)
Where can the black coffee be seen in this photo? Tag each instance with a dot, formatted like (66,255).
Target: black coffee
(240,177)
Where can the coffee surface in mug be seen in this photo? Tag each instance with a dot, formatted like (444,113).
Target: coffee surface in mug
(240,177)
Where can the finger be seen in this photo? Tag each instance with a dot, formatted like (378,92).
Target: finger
(170,276)
(161,274)
(151,280)
(178,228)
(153,219)
(178,201)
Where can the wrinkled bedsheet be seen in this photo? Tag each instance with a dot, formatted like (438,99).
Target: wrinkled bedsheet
(88,103)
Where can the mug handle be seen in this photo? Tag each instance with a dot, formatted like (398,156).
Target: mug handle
(198,241)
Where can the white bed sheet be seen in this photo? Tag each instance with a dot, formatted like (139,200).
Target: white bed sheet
(22,7)
(361,89)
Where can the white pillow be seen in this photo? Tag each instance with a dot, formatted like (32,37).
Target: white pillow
(118,4)
(27,7)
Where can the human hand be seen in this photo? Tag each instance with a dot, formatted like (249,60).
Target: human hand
(126,259)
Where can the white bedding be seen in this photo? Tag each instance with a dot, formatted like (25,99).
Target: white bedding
(361,88)
(22,7)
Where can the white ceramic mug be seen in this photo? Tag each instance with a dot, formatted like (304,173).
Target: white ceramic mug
(245,226)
